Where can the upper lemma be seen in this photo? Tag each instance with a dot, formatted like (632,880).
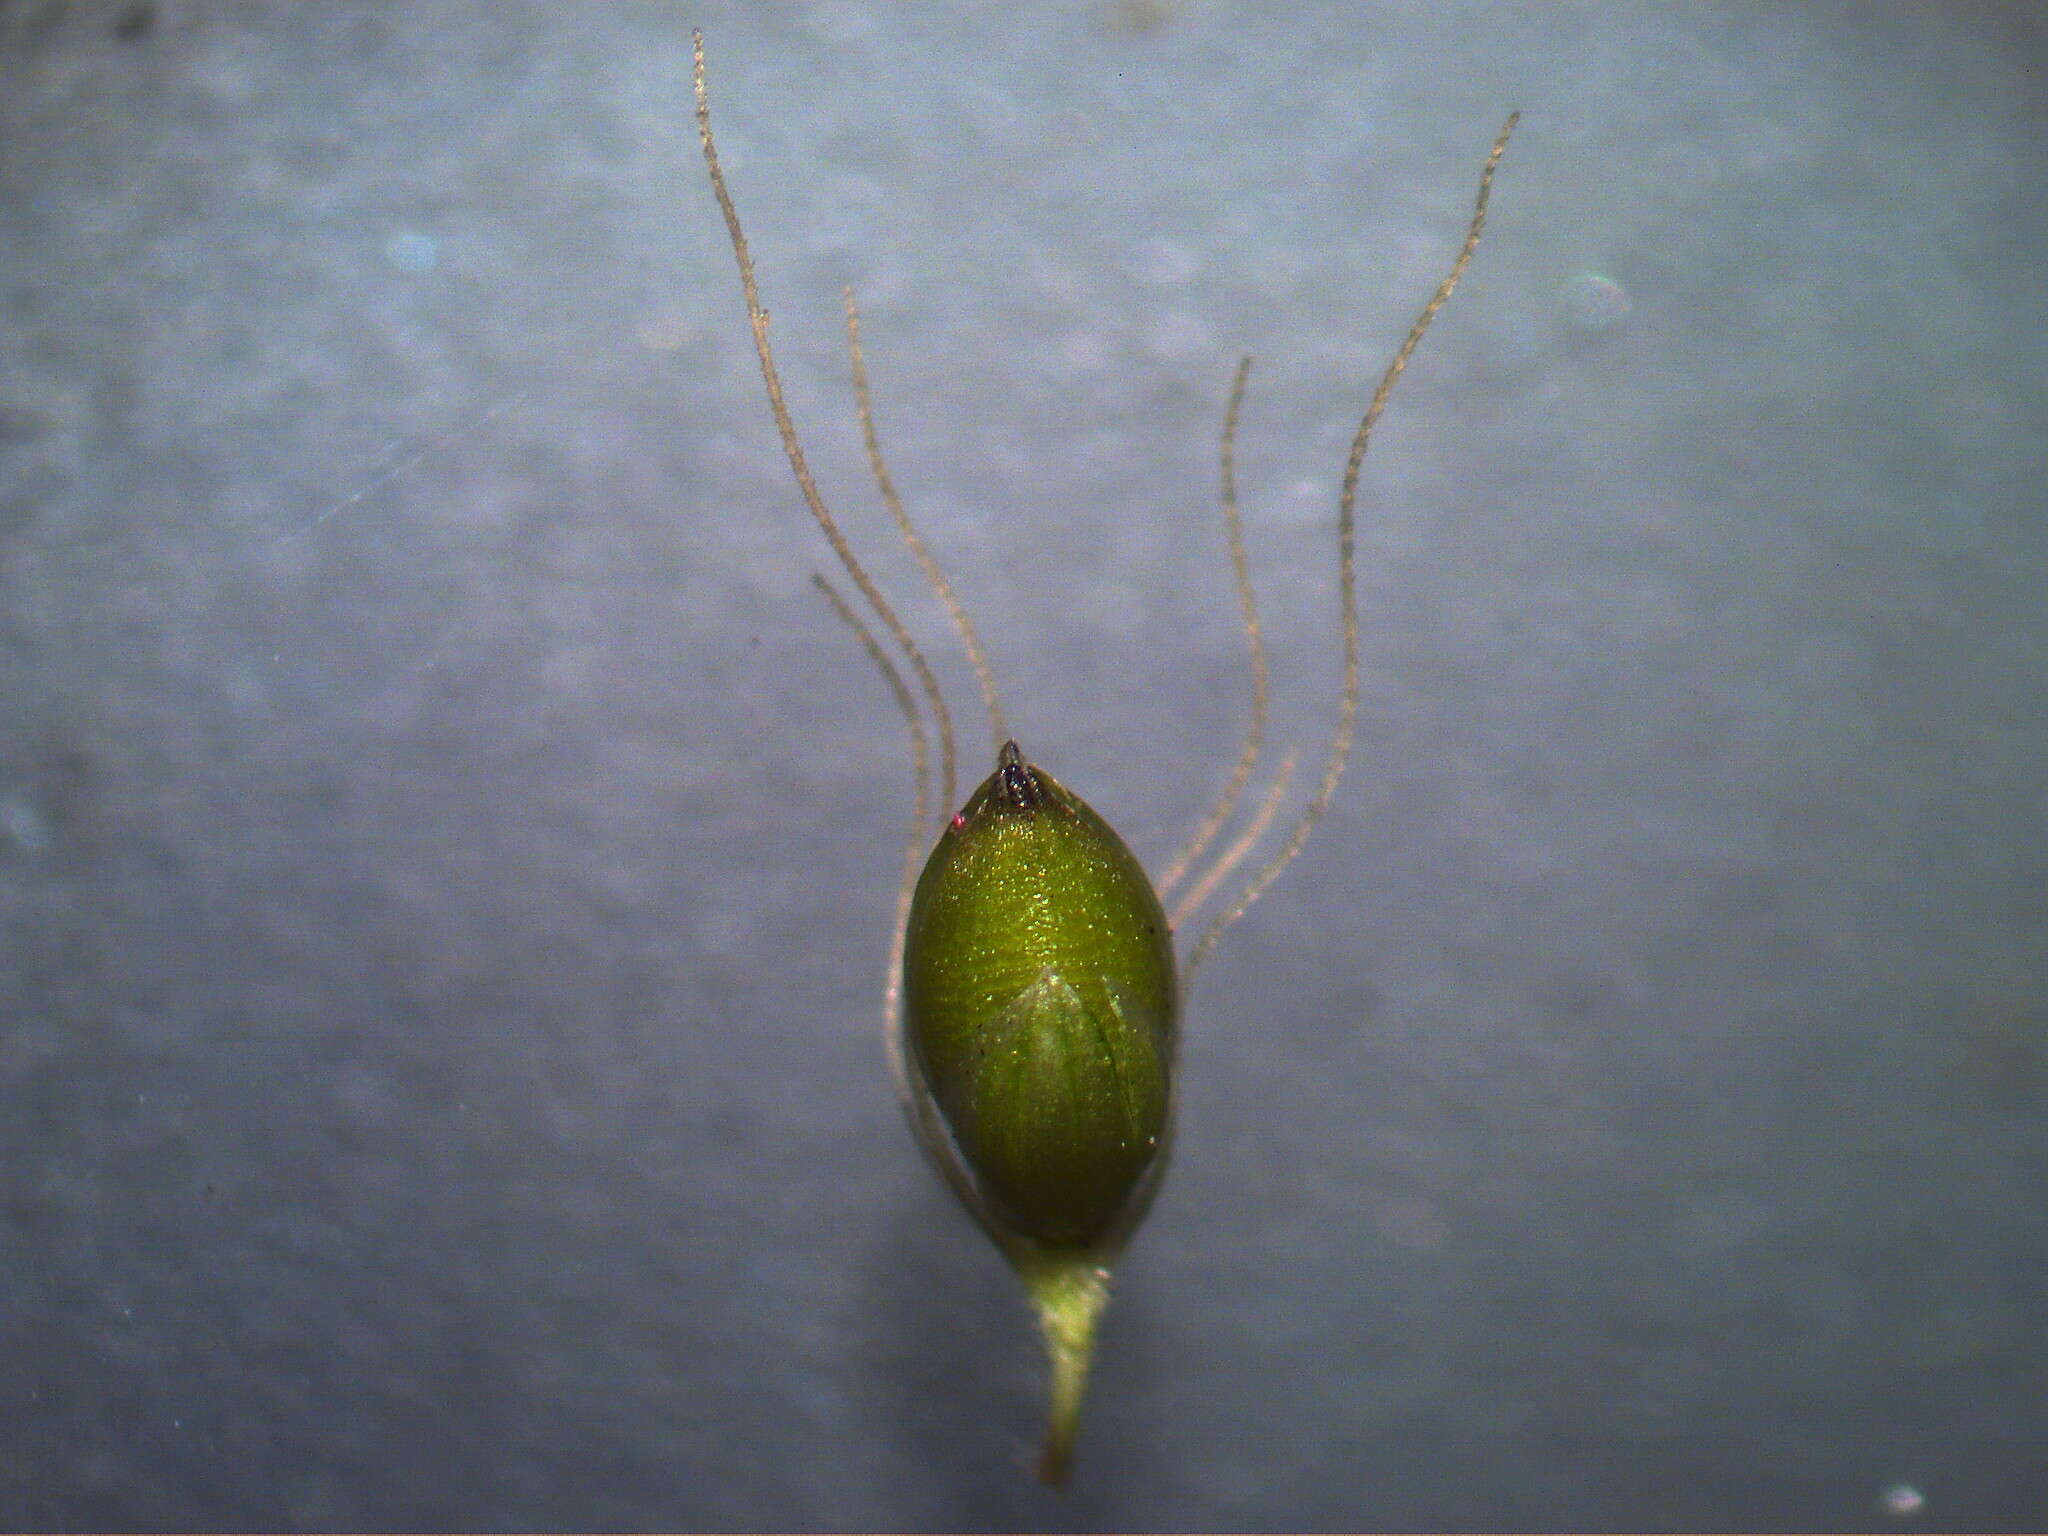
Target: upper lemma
(1040,1005)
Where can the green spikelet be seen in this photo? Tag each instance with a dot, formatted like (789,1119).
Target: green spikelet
(1040,1009)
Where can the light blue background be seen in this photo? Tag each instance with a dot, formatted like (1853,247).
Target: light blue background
(446,851)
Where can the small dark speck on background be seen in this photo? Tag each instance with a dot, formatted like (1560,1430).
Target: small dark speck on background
(135,22)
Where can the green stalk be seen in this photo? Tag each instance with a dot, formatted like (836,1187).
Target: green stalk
(1069,1291)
